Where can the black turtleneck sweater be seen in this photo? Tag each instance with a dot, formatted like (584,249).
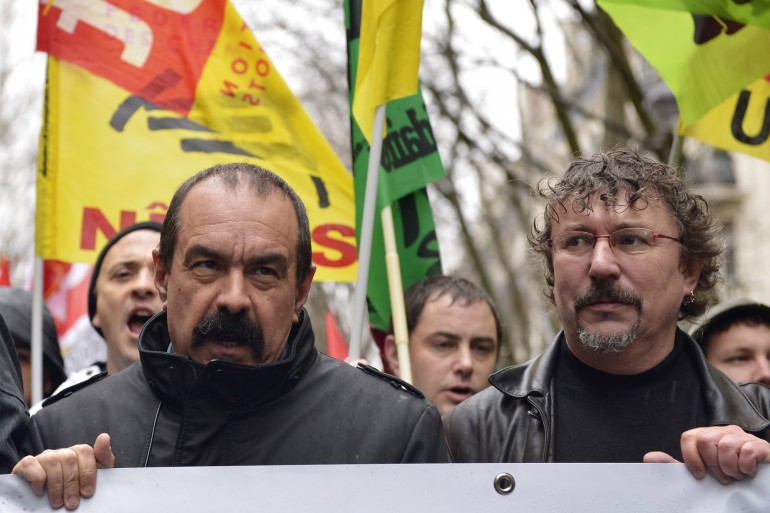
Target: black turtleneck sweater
(612,418)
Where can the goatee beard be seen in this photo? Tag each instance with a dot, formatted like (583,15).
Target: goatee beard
(615,342)
(607,344)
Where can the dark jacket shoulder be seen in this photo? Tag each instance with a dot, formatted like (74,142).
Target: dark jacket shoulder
(393,381)
(118,404)
(374,411)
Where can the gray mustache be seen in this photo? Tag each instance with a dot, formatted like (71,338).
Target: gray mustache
(607,291)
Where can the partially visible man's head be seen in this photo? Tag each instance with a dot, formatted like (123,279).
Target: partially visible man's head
(454,339)
(735,336)
(234,264)
(632,284)
(16,309)
(122,295)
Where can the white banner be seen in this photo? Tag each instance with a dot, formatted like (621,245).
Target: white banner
(462,488)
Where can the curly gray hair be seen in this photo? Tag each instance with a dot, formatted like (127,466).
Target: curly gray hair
(642,179)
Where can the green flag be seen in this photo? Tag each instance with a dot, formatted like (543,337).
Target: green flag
(410,161)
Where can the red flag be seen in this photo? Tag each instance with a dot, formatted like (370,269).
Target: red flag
(65,291)
(336,347)
(5,272)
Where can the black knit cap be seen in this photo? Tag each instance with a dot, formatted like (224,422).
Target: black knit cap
(726,314)
(147,225)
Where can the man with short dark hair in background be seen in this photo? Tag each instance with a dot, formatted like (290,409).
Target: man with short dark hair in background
(454,339)
(228,372)
(627,252)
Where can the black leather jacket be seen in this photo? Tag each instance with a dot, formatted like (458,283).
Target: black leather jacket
(13,409)
(512,421)
(168,410)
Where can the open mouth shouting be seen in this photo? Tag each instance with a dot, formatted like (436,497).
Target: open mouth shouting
(136,319)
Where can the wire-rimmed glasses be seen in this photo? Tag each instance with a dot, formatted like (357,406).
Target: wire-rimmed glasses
(628,240)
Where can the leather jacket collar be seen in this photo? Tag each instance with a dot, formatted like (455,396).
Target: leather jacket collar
(176,379)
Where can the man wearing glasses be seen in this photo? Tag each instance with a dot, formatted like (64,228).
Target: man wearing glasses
(627,252)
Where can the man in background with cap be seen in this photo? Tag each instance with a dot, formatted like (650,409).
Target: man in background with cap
(735,337)
(16,309)
(122,295)
(121,298)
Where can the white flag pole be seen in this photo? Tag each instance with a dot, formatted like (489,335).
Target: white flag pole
(37,333)
(367,228)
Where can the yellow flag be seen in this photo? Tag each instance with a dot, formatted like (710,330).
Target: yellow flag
(388,58)
(122,130)
(740,123)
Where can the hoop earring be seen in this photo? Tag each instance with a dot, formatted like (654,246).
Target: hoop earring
(688,300)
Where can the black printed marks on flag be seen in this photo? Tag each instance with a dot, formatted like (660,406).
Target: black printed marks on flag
(736,126)
(169,78)
(405,144)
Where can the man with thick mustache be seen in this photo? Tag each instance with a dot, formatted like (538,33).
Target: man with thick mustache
(228,372)
(628,251)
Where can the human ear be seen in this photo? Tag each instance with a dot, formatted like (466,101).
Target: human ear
(303,291)
(390,354)
(161,278)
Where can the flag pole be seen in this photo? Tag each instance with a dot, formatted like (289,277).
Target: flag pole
(367,228)
(676,149)
(36,394)
(397,308)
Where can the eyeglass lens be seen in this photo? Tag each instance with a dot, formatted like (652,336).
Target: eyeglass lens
(628,240)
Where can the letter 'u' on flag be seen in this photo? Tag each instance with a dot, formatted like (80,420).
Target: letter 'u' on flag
(703,57)
(388,58)
(740,123)
(141,95)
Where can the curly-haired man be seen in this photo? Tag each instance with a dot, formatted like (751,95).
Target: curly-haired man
(627,251)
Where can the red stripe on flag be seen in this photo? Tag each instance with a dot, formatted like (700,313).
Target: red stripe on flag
(336,347)
(5,272)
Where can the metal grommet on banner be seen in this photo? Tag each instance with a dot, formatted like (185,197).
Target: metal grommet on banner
(504,483)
